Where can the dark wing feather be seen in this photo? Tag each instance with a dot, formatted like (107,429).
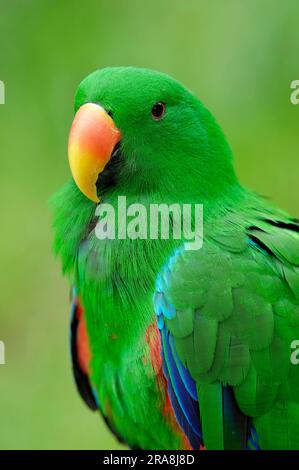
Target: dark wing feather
(80,376)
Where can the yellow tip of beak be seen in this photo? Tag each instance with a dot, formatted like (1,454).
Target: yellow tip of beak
(92,138)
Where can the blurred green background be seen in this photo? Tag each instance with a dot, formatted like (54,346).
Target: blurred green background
(239,58)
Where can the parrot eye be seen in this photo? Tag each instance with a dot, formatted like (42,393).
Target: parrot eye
(158,111)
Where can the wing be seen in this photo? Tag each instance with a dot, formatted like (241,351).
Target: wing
(227,315)
(81,356)
(80,353)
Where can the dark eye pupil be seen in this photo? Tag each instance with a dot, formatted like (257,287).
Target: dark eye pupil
(158,110)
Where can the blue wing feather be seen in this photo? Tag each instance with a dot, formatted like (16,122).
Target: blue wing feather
(194,439)
(188,405)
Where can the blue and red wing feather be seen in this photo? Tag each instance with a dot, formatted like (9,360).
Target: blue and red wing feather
(182,392)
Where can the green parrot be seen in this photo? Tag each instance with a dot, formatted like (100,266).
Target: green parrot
(177,348)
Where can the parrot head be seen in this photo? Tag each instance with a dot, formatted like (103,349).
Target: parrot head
(140,128)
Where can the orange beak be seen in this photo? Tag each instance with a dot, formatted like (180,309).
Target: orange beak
(93,136)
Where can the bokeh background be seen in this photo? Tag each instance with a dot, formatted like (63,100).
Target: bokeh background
(239,57)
